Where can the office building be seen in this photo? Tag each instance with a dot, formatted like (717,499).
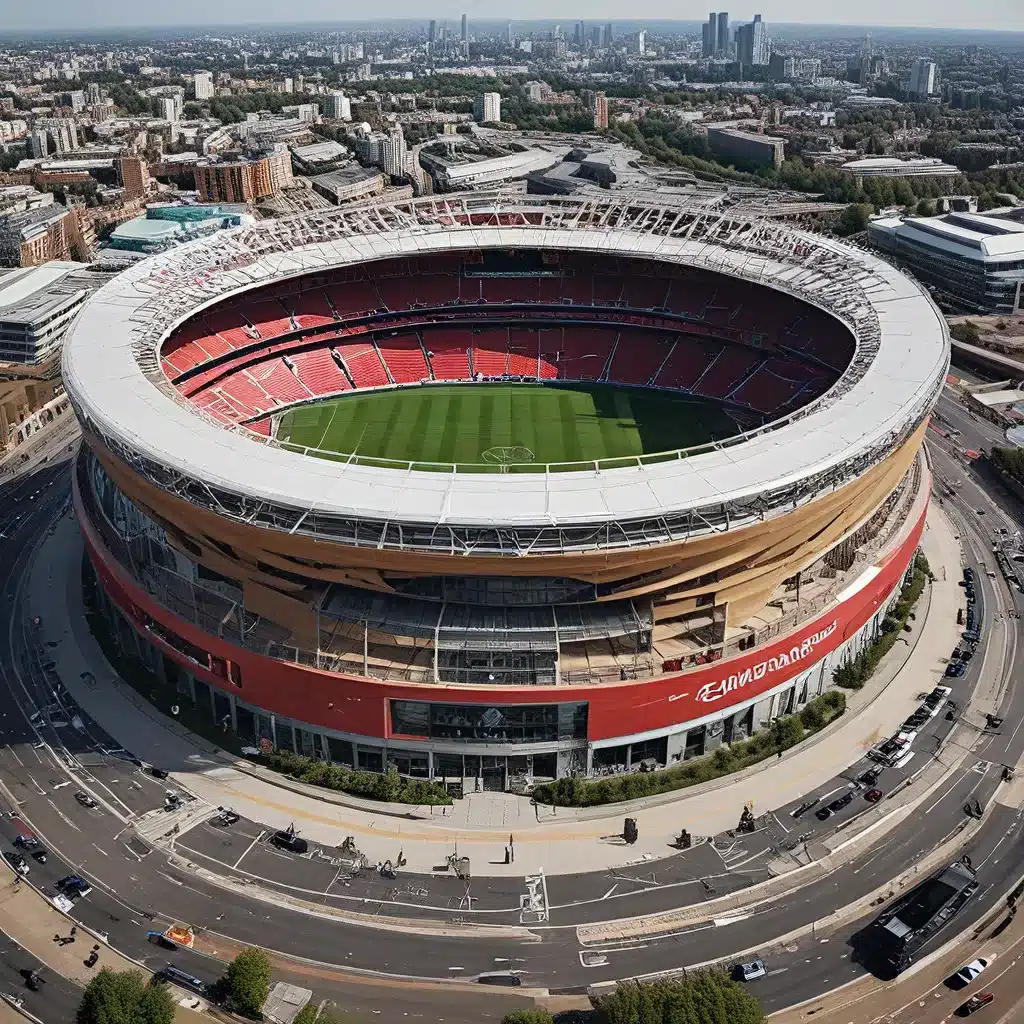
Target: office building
(338,106)
(722,37)
(133,174)
(487,107)
(922,79)
(641,41)
(36,306)
(734,145)
(431,33)
(975,260)
(608,37)
(715,36)
(394,154)
(597,104)
(349,184)
(752,46)
(891,167)
(203,81)
(465,29)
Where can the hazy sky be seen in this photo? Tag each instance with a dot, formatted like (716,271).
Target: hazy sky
(75,14)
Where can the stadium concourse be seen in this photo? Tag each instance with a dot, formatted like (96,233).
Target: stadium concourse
(559,841)
(498,489)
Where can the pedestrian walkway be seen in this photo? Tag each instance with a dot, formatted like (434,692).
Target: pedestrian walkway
(557,840)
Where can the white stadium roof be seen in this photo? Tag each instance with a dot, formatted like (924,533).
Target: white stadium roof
(111,370)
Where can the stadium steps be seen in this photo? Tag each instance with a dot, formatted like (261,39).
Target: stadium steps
(607,368)
(336,356)
(380,356)
(426,358)
(747,377)
(668,355)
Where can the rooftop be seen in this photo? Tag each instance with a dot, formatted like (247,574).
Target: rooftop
(30,293)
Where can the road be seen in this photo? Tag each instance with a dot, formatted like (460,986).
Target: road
(136,890)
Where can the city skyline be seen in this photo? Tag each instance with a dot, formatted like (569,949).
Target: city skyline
(55,16)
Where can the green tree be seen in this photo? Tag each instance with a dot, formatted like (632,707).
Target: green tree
(854,219)
(528,1017)
(123,997)
(925,208)
(248,980)
(700,997)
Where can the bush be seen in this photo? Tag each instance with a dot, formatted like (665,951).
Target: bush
(115,996)
(528,1017)
(784,733)
(701,997)
(248,981)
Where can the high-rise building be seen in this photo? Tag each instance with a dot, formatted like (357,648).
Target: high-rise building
(597,103)
(752,47)
(641,42)
(608,38)
(203,81)
(244,179)
(508,33)
(708,35)
(166,108)
(432,32)
(338,106)
(922,78)
(722,35)
(465,29)
(394,154)
(133,173)
(38,144)
(487,107)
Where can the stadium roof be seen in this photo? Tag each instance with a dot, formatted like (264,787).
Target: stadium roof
(112,372)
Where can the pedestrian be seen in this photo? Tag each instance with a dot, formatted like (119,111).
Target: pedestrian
(511,848)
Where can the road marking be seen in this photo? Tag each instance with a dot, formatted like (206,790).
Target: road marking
(248,848)
(39,789)
(62,815)
(104,852)
(610,891)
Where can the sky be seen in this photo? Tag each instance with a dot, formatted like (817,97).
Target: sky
(75,14)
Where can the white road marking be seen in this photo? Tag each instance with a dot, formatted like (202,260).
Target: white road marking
(248,848)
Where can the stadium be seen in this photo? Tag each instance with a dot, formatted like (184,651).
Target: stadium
(498,487)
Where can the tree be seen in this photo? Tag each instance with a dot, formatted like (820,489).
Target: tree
(700,997)
(528,1017)
(248,981)
(854,219)
(123,997)
(925,208)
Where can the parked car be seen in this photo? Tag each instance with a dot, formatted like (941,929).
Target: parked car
(750,971)
(289,841)
(23,842)
(974,1004)
(823,813)
(158,773)
(74,887)
(17,862)
(841,802)
(84,799)
(509,980)
(873,796)
(970,971)
(39,855)
(955,669)
(870,777)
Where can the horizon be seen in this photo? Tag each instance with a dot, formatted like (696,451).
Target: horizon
(990,16)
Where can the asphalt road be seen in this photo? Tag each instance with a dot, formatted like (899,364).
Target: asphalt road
(136,891)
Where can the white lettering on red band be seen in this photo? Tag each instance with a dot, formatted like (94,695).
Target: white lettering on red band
(711,692)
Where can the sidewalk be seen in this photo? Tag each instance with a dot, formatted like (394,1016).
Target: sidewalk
(544,838)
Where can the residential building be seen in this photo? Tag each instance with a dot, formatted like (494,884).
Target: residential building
(975,260)
(732,144)
(487,107)
(203,82)
(338,106)
(922,79)
(394,154)
(243,179)
(36,236)
(641,42)
(133,174)
(166,109)
(597,104)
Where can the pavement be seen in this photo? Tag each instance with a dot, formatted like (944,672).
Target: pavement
(553,840)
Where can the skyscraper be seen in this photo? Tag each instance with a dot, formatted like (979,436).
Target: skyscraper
(608,34)
(432,32)
(465,29)
(722,35)
(203,85)
(394,154)
(641,42)
(487,107)
(922,78)
(752,43)
(715,36)
(597,103)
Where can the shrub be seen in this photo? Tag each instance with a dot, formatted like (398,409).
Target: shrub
(114,996)
(528,1017)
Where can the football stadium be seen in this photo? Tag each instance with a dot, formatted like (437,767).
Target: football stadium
(501,487)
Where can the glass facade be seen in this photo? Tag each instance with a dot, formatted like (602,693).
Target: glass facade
(478,723)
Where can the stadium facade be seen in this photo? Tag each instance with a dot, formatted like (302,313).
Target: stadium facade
(503,617)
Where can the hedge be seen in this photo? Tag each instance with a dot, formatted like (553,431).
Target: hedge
(785,732)
(853,674)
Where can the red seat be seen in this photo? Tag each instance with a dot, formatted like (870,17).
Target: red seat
(364,365)
(447,353)
(491,354)
(638,356)
(404,358)
(319,372)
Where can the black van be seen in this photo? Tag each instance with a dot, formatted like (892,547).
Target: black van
(289,841)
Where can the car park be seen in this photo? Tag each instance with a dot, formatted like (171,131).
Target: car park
(73,887)
(974,1004)
(84,799)
(750,971)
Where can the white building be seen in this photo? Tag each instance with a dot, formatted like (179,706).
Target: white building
(166,109)
(891,167)
(203,85)
(394,153)
(338,106)
(487,107)
(922,78)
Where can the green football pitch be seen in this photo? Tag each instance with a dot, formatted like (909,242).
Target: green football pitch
(503,424)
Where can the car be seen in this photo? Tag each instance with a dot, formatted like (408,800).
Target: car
(750,971)
(870,777)
(873,796)
(289,841)
(974,1004)
(970,971)
(17,862)
(158,773)
(841,802)
(955,669)
(74,887)
(509,980)
(980,511)
(804,807)
(39,855)
(84,799)
(23,842)
(823,813)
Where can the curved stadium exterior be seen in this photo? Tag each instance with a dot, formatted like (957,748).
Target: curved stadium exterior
(501,616)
